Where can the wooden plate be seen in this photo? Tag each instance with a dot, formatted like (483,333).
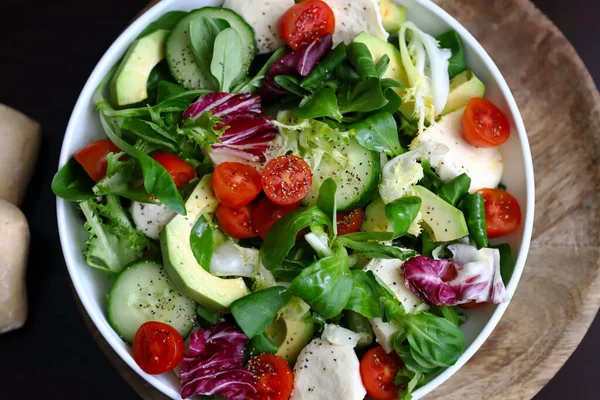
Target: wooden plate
(559,293)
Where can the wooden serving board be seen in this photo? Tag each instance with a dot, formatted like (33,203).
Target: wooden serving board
(559,294)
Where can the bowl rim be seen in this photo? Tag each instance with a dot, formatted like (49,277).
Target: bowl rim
(129,34)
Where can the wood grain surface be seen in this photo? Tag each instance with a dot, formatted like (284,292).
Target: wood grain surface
(559,293)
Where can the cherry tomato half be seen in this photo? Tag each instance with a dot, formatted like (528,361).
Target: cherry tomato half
(378,370)
(349,221)
(181,171)
(157,347)
(236,222)
(267,213)
(286,180)
(484,124)
(93,158)
(236,184)
(305,22)
(273,377)
(502,212)
(472,305)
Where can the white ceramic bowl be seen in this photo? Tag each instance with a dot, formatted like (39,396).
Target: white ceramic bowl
(84,126)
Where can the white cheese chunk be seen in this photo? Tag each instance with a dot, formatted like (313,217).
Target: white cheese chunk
(384,331)
(328,371)
(150,218)
(335,334)
(353,17)
(483,165)
(263,16)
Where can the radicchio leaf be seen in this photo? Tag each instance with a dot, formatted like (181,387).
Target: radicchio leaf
(302,61)
(472,275)
(220,104)
(214,364)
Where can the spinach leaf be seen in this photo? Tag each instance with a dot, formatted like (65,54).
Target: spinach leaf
(408,381)
(291,84)
(159,183)
(325,66)
(402,212)
(394,102)
(375,250)
(165,90)
(255,312)
(437,340)
(507,261)
(327,202)
(249,85)
(447,312)
(203,33)
(148,131)
(323,103)
(300,256)
(360,56)
(209,316)
(123,178)
(167,22)
(473,207)
(370,236)
(452,192)
(227,64)
(427,243)
(406,355)
(365,295)
(72,183)
(457,63)
(282,236)
(430,180)
(379,133)
(326,285)
(346,72)
(160,73)
(261,344)
(382,65)
(201,242)
(365,97)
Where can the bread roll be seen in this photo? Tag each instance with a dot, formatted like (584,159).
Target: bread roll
(20,138)
(14,247)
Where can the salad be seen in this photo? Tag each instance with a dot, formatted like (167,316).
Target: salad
(294,200)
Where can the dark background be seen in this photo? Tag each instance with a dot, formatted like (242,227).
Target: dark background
(47,52)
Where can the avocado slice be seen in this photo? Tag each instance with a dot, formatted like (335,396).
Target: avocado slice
(189,278)
(463,87)
(129,82)
(378,48)
(393,15)
(446,222)
(290,336)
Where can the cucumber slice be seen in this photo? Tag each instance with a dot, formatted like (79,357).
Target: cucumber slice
(143,292)
(180,55)
(356,182)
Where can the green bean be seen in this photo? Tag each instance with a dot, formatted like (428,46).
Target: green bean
(328,64)
(473,208)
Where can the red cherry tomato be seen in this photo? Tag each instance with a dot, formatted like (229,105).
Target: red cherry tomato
(236,184)
(236,222)
(472,305)
(181,171)
(267,213)
(484,124)
(286,180)
(502,212)
(349,221)
(305,22)
(93,158)
(273,377)
(378,370)
(157,347)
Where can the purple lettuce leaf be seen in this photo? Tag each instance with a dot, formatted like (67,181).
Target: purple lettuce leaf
(214,364)
(220,104)
(471,275)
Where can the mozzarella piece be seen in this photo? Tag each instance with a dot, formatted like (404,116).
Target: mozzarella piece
(384,331)
(335,334)
(483,165)
(231,259)
(390,272)
(263,16)
(328,371)
(150,218)
(353,17)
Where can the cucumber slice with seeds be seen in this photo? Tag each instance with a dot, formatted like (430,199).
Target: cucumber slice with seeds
(143,292)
